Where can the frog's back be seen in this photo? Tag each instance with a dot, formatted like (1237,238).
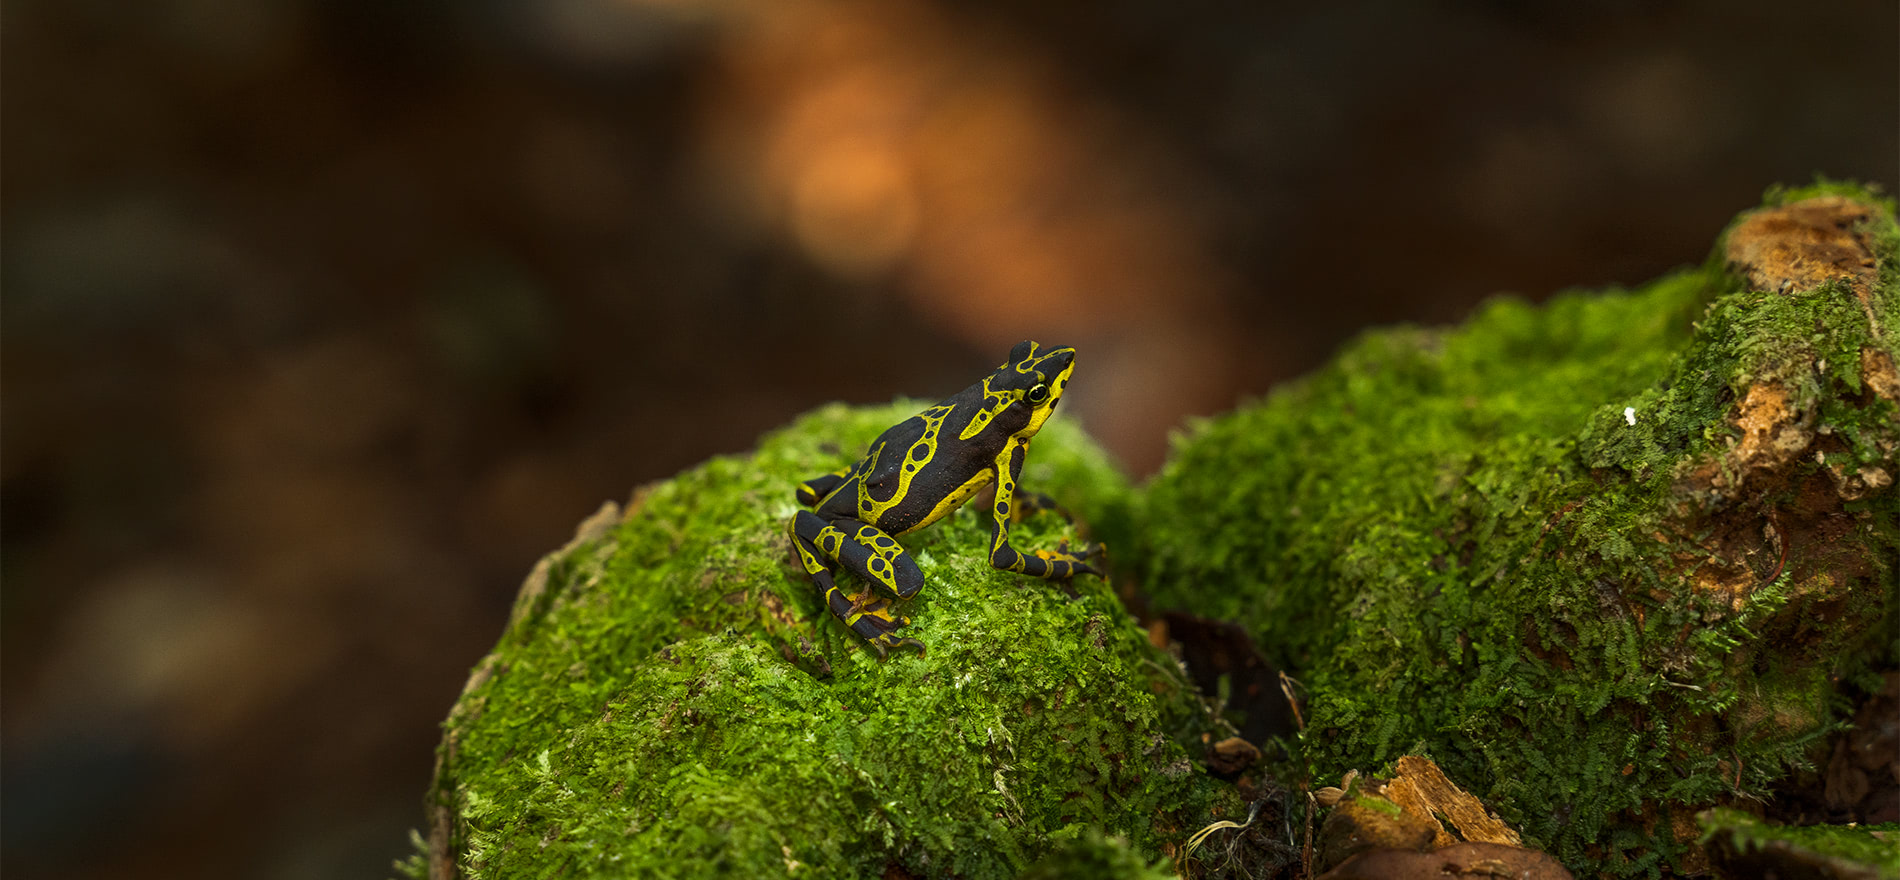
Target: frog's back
(904,434)
(933,438)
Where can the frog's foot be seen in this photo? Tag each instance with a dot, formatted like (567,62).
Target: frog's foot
(1061,567)
(1063,562)
(887,641)
(1091,558)
(870,616)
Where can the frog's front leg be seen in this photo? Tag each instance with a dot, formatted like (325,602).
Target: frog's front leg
(1027,504)
(872,555)
(814,490)
(1053,564)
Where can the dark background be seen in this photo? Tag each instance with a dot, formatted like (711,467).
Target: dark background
(322,320)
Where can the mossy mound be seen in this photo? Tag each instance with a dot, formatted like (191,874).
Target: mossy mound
(672,699)
(1603,559)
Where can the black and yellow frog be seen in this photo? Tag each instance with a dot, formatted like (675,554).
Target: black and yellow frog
(918,472)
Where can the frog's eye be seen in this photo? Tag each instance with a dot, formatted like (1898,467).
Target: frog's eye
(1039,393)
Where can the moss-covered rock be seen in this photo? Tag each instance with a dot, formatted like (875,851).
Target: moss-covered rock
(1741,845)
(671,698)
(1602,559)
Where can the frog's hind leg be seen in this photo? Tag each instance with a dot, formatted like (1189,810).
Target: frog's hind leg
(876,556)
(868,614)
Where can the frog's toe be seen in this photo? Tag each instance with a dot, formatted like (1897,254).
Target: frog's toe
(888,641)
(1068,561)
(870,616)
(877,624)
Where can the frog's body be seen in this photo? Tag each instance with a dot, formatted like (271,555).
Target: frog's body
(918,472)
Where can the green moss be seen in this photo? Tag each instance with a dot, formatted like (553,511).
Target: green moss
(1381,805)
(1462,546)
(415,866)
(677,702)
(1779,194)
(1097,857)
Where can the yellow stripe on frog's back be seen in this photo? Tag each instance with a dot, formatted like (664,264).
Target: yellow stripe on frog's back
(908,468)
(993,403)
(955,499)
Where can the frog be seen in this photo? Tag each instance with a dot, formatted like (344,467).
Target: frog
(923,469)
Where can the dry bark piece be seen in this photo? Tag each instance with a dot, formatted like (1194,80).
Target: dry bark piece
(1805,244)
(1877,370)
(1397,828)
(1423,788)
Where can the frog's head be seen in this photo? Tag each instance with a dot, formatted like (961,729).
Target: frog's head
(1034,377)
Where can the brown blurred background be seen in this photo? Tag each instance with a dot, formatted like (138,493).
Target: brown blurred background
(322,320)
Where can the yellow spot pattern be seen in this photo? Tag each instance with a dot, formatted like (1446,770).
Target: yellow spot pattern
(884,553)
(871,509)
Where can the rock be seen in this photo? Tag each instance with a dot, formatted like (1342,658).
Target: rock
(1475,861)
(1742,846)
(1231,756)
(1366,820)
